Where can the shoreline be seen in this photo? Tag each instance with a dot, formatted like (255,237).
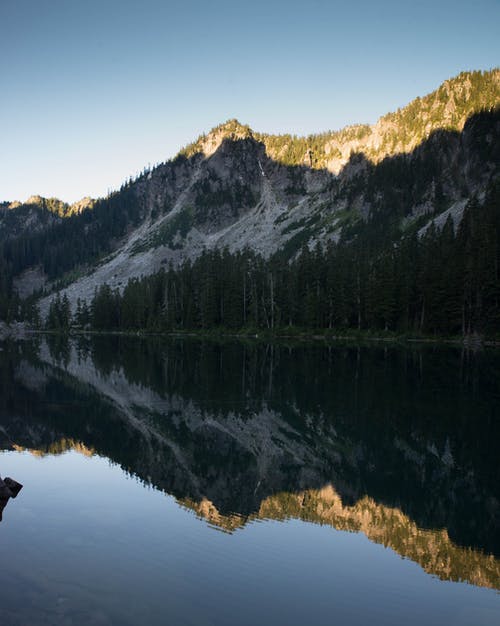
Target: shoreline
(471,342)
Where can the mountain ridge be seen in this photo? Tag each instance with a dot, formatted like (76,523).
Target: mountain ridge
(446,107)
(456,114)
(235,188)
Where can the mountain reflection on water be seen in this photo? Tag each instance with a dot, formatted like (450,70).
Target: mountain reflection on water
(400,444)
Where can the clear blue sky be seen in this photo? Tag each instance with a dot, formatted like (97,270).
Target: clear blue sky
(94,90)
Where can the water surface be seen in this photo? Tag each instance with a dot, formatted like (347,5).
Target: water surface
(189,482)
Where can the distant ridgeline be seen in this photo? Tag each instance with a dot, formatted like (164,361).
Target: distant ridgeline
(394,226)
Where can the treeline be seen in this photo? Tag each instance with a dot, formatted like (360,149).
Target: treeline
(75,240)
(441,282)
(60,245)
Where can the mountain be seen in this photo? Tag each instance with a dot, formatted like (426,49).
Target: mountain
(237,189)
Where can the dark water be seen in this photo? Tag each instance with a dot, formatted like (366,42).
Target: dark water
(188,482)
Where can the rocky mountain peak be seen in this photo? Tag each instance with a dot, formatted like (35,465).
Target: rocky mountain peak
(208,143)
(80,205)
(35,200)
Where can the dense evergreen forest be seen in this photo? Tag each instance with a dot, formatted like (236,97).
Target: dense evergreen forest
(67,242)
(441,282)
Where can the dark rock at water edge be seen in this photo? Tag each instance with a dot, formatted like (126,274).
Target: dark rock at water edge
(13,486)
(9,488)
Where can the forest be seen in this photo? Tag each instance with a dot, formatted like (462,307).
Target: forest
(441,282)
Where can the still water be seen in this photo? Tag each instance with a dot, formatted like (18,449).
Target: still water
(189,482)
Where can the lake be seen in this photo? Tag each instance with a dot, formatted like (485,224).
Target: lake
(240,483)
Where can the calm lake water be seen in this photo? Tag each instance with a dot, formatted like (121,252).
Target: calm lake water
(189,482)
